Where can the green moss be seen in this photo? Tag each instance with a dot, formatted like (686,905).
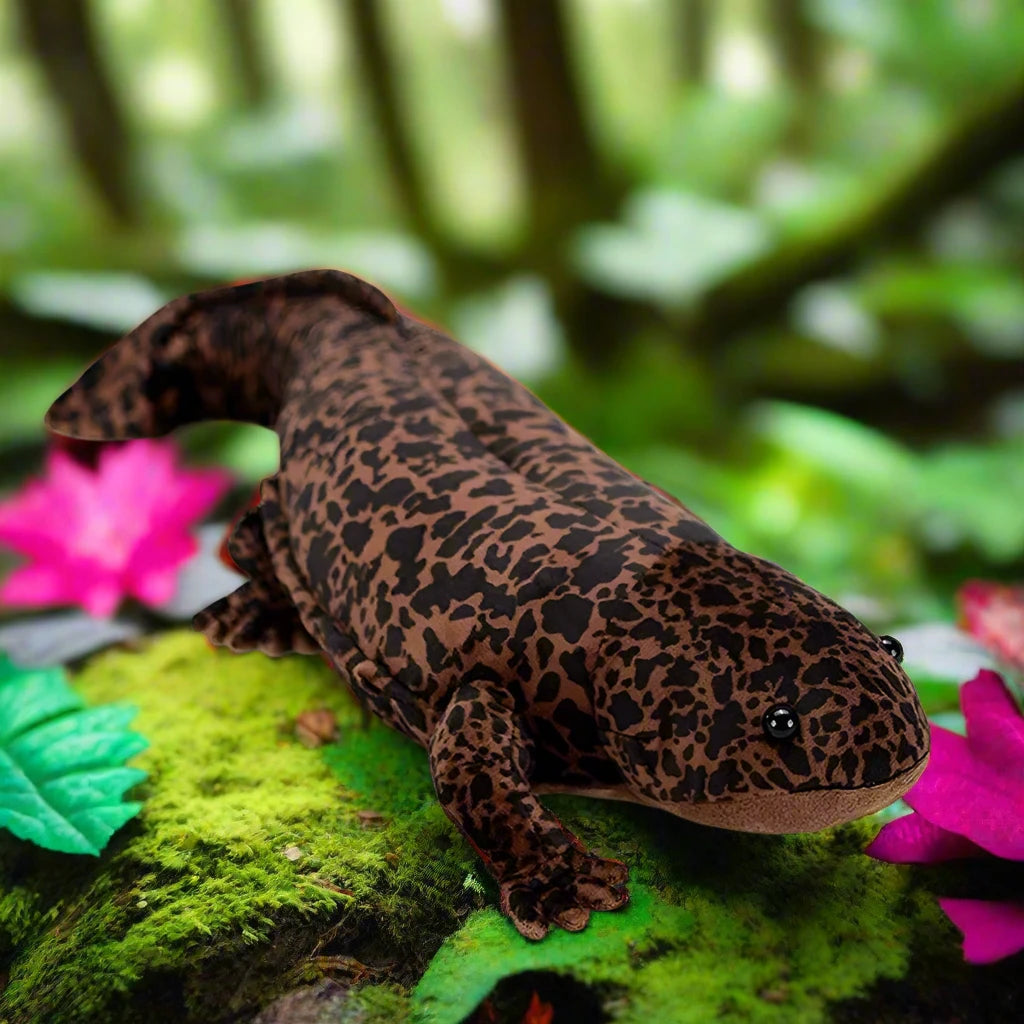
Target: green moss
(488,949)
(378,1004)
(200,883)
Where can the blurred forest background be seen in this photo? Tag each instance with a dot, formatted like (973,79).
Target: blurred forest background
(767,253)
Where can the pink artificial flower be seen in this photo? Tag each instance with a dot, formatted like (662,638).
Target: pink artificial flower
(994,614)
(969,803)
(94,537)
(991,930)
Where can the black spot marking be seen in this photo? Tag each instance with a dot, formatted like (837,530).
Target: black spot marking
(568,616)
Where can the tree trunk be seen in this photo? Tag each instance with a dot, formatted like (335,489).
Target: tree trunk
(798,53)
(242,27)
(61,37)
(565,179)
(694,27)
(380,75)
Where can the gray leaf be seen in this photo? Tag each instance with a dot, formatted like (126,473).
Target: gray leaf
(942,651)
(203,579)
(61,637)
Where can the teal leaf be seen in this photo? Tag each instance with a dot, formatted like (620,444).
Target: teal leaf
(62,772)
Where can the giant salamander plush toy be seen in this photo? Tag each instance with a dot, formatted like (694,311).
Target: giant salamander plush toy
(495,587)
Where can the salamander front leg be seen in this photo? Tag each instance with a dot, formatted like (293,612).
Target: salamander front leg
(481,765)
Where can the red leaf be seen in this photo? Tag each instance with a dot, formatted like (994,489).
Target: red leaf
(538,1012)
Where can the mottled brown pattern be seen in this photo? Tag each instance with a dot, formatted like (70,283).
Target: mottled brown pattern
(506,594)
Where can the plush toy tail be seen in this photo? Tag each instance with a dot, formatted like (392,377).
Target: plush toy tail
(221,354)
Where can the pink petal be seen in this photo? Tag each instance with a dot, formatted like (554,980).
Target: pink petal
(101,598)
(160,551)
(914,840)
(35,521)
(37,586)
(962,794)
(991,930)
(138,474)
(157,586)
(144,476)
(65,583)
(74,484)
(96,536)
(198,492)
(995,726)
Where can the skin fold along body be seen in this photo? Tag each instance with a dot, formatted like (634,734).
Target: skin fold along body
(497,588)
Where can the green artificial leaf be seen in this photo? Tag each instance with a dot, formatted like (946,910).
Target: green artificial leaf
(62,773)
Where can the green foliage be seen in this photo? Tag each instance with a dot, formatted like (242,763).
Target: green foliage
(950,46)
(62,777)
(733,130)
(26,389)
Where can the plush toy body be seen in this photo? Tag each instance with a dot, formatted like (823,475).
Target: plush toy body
(503,592)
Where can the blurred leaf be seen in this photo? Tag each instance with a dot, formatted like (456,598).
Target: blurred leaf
(656,396)
(671,247)
(840,448)
(970,232)
(514,326)
(278,137)
(735,133)
(809,199)
(107,301)
(954,46)
(987,301)
(830,313)
(62,778)
(249,451)
(26,391)
(392,260)
(937,695)
(952,720)
(975,494)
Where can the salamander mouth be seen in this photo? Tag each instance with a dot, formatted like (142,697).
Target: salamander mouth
(806,810)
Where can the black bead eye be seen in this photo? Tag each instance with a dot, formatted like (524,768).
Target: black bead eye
(893,646)
(781,723)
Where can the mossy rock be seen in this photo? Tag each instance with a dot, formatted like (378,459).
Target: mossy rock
(259,868)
